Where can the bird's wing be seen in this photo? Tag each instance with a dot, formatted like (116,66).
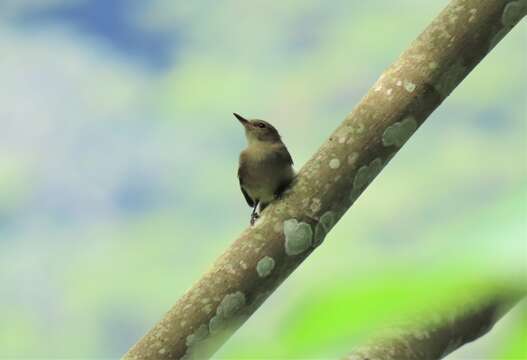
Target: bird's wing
(250,201)
(241,175)
(284,155)
(288,156)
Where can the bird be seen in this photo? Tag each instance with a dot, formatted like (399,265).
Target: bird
(265,166)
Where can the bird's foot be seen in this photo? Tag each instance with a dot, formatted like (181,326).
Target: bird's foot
(278,195)
(280,192)
(254,216)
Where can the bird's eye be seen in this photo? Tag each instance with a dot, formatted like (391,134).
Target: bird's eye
(260,125)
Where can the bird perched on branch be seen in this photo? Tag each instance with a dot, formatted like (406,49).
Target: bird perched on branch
(265,167)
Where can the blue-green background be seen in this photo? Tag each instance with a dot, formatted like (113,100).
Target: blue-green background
(118,154)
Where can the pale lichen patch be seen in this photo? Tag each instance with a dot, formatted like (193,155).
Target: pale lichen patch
(315,205)
(450,78)
(513,12)
(230,269)
(352,158)
(265,266)
(398,133)
(334,163)
(215,324)
(418,57)
(229,306)
(473,13)
(159,331)
(323,227)
(359,129)
(366,174)
(298,237)
(420,334)
(305,204)
(200,334)
(409,86)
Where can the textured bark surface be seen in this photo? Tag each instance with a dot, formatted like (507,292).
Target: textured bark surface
(437,335)
(289,229)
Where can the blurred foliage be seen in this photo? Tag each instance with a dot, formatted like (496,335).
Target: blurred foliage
(515,346)
(330,319)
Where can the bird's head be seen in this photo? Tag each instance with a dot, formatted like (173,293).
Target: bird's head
(258,130)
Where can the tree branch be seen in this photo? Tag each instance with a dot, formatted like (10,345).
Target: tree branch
(289,229)
(437,335)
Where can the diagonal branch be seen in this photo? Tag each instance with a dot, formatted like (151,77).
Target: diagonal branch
(290,228)
(437,335)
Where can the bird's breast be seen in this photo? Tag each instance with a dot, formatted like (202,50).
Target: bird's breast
(263,172)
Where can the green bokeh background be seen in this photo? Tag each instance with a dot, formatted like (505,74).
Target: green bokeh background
(118,163)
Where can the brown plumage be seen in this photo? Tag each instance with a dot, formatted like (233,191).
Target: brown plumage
(265,167)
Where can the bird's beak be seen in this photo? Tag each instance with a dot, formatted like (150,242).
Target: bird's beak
(241,119)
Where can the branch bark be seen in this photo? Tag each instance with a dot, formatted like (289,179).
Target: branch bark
(437,335)
(292,227)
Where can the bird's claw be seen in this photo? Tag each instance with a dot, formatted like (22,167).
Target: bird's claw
(254,216)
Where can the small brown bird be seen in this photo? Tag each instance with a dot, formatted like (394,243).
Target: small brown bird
(265,167)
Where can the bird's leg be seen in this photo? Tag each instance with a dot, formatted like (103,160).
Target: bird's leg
(254,215)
